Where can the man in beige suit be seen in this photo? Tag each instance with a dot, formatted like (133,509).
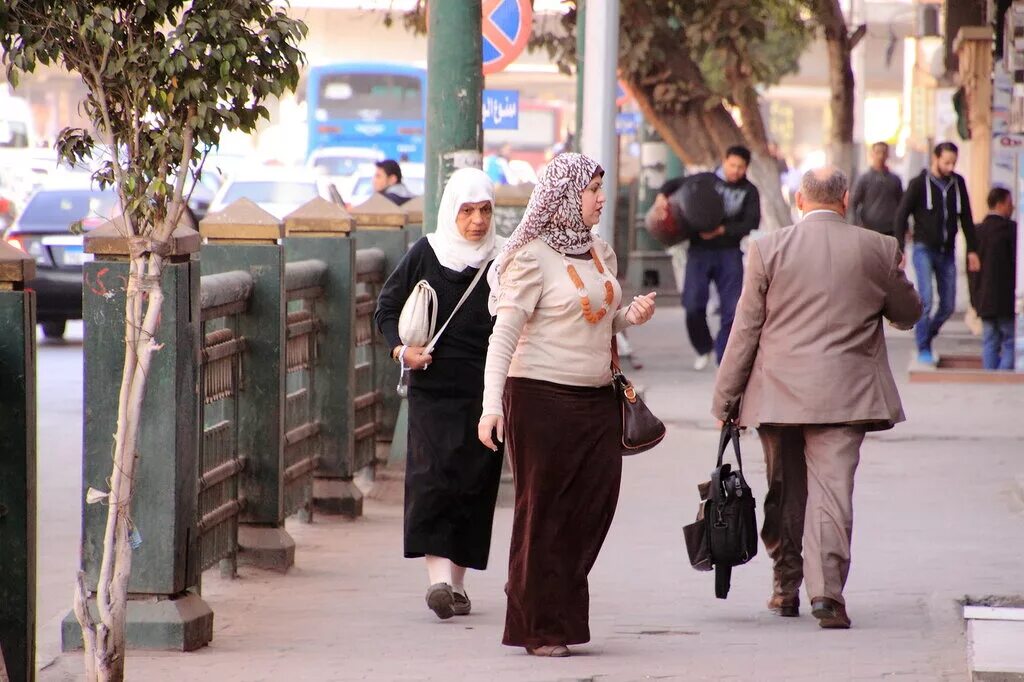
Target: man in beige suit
(807,365)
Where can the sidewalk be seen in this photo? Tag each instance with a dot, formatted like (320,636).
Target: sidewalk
(938,517)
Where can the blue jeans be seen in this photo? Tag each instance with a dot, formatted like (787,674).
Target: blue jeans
(724,267)
(940,265)
(997,343)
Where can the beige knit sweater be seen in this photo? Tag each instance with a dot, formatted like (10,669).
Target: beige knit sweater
(540,332)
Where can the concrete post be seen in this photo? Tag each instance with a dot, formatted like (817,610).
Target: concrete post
(454,91)
(17,465)
(599,140)
(165,610)
(245,237)
(321,230)
(581,49)
(382,225)
(650,266)
(413,210)
(973,45)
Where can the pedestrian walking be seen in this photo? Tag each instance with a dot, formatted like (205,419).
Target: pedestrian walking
(451,479)
(997,250)
(807,365)
(876,194)
(714,256)
(938,201)
(548,393)
(387,180)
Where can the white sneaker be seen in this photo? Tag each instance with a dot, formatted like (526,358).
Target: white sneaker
(702,362)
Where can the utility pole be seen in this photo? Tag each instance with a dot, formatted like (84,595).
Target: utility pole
(599,140)
(454,90)
(581,48)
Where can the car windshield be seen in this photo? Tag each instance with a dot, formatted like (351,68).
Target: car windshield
(270,192)
(52,210)
(339,165)
(370,96)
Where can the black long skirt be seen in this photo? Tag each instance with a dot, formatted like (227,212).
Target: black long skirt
(451,479)
(564,443)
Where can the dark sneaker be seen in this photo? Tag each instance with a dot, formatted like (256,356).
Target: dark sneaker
(462,605)
(441,600)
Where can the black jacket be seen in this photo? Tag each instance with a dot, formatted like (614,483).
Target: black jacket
(935,224)
(997,249)
(874,200)
(740,200)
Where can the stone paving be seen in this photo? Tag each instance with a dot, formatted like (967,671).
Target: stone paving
(939,515)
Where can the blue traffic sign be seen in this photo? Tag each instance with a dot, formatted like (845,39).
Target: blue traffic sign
(501,110)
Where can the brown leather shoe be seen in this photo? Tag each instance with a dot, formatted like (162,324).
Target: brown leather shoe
(557,651)
(787,607)
(831,614)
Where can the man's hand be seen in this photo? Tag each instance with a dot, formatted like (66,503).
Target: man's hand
(659,211)
(491,424)
(973,262)
(417,358)
(641,310)
(713,234)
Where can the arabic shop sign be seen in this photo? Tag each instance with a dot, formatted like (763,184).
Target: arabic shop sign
(501,110)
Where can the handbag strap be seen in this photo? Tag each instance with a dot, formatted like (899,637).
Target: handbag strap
(469,290)
(730,432)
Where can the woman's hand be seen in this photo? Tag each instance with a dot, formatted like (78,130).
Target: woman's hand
(641,310)
(489,424)
(417,358)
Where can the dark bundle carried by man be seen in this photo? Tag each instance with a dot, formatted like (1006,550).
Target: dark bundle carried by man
(685,207)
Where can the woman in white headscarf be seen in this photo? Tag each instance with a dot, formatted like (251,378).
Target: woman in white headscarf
(547,389)
(451,479)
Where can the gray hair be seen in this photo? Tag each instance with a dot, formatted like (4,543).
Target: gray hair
(825,185)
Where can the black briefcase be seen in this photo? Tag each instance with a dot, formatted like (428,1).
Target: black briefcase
(725,532)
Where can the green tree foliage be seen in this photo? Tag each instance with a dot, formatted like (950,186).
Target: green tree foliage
(164,78)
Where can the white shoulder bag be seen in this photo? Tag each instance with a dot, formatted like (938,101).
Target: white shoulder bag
(419,318)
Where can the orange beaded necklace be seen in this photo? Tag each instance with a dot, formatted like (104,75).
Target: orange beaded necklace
(609,291)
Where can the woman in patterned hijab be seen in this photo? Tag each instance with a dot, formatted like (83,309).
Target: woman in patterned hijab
(547,386)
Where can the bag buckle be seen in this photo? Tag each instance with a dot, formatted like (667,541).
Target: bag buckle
(629,392)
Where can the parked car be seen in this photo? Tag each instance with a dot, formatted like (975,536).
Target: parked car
(277,190)
(359,188)
(340,163)
(43,231)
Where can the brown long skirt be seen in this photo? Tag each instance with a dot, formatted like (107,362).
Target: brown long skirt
(564,443)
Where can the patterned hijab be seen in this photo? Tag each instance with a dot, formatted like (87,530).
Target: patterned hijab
(555,211)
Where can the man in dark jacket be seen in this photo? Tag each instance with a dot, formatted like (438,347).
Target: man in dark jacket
(997,249)
(715,256)
(877,193)
(938,201)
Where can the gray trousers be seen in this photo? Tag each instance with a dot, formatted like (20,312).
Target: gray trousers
(808,512)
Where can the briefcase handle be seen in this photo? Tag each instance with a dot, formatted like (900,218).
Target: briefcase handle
(730,432)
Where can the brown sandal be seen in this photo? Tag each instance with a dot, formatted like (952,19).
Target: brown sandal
(549,651)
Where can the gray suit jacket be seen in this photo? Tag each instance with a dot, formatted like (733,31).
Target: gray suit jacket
(807,345)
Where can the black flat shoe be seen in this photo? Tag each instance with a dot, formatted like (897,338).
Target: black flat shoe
(462,605)
(441,600)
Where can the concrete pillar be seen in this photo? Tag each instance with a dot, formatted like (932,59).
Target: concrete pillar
(165,610)
(599,140)
(382,225)
(455,84)
(413,210)
(17,465)
(245,237)
(322,231)
(973,45)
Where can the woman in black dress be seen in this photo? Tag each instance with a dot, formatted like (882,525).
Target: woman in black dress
(451,479)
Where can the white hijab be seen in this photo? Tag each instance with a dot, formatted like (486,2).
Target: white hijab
(453,251)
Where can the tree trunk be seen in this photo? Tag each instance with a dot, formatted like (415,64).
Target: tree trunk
(837,39)
(105,639)
(764,172)
(700,135)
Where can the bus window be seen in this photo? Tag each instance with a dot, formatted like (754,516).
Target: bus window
(369,96)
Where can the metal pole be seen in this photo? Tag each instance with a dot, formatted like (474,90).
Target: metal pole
(599,140)
(858,16)
(454,91)
(581,44)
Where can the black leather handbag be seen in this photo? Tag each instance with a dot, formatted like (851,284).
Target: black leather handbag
(641,430)
(725,532)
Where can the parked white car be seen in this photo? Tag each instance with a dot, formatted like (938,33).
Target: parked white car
(277,190)
(340,163)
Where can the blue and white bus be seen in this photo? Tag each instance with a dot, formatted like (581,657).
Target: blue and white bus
(373,105)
